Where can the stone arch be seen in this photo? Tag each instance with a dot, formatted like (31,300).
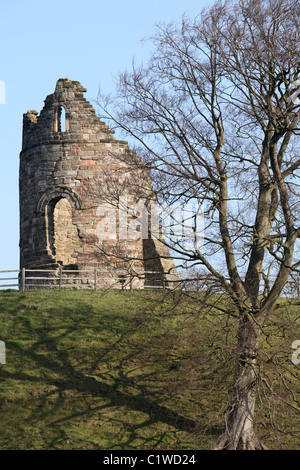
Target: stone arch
(57,193)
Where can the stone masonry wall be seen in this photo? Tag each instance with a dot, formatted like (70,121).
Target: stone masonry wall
(61,175)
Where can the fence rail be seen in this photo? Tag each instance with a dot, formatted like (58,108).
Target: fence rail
(84,278)
(97,279)
(10,278)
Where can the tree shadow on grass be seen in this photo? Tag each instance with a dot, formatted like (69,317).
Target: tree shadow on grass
(67,396)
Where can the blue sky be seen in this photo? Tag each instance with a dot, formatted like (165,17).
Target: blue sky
(42,41)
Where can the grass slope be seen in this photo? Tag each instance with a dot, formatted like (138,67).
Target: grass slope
(134,370)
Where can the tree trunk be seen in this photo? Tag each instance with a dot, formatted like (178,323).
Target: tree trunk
(239,434)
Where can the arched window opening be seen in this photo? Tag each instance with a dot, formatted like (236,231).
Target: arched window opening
(61,119)
(63,237)
(62,122)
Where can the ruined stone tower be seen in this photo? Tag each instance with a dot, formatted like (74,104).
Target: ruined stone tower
(69,164)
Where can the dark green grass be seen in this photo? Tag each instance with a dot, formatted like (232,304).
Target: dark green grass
(133,370)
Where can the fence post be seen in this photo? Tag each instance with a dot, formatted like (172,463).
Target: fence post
(60,277)
(163,278)
(95,278)
(23,280)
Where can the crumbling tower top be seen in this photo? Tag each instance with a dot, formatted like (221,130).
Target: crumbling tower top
(66,115)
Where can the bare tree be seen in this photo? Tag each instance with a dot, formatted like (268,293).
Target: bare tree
(215,115)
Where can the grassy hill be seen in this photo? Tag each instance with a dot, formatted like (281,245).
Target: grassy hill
(134,370)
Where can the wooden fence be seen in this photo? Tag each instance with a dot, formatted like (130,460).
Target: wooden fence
(96,279)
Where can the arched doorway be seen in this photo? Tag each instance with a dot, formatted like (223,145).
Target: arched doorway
(57,207)
(65,233)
